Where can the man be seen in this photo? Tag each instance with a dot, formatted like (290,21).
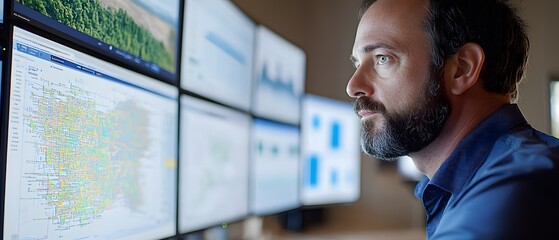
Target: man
(437,80)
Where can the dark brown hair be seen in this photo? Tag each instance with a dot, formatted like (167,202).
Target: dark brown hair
(493,24)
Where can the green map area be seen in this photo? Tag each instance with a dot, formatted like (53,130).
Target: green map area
(88,160)
(114,27)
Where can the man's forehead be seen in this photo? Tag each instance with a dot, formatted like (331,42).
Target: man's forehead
(391,22)
(367,43)
(403,10)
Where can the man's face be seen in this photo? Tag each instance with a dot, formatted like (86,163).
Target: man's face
(393,79)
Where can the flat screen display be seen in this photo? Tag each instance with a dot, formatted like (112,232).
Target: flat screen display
(91,150)
(213,169)
(217,52)
(2,11)
(140,33)
(554,86)
(274,167)
(408,170)
(279,75)
(330,151)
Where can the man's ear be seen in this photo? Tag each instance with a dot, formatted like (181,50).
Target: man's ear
(462,70)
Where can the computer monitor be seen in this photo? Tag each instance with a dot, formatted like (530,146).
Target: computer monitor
(213,164)
(217,52)
(330,151)
(279,75)
(554,96)
(1,11)
(91,147)
(407,169)
(142,34)
(274,167)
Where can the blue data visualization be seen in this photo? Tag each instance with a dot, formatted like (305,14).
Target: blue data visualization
(217,52)
(279,77)
(274,167)
(214,164)
(330,151)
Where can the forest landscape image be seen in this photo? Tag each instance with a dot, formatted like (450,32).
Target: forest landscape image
(144,28)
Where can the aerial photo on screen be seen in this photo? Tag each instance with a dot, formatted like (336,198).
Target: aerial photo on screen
(144,28)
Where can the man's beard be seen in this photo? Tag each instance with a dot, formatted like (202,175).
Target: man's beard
(407,131)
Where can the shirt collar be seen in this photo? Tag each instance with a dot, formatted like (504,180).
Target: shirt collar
(472,151)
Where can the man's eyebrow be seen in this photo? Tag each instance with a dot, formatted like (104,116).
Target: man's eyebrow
(370,48)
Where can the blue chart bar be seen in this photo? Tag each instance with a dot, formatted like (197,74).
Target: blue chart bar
(335,135)
(316,122)
(313,171)
(226,47)
(334,177)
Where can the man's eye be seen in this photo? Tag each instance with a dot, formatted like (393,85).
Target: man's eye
(382,59)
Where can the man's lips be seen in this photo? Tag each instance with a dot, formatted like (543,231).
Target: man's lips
(367,108)
(366,113)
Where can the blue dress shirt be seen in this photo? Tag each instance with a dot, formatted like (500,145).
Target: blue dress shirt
(501,182)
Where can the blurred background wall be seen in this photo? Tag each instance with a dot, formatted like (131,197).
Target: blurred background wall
(325,30)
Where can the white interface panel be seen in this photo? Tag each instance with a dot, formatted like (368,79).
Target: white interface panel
(213,169)
(274,167)
(92,147)
(217,52)
(330,152)
(554,86)
(279,75)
